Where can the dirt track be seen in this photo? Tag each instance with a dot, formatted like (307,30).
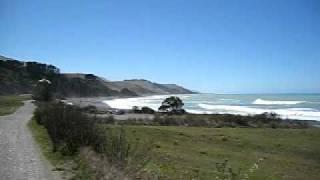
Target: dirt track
(20,158)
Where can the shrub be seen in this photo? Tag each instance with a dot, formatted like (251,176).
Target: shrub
(68,127)
(70,130)
(143,110)
(147,110)
(219,120)
(43,91)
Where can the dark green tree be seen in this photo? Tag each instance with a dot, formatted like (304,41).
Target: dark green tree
(43,91)
(172,105)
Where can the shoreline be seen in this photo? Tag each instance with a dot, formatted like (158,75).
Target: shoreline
(93,101)
(99,103)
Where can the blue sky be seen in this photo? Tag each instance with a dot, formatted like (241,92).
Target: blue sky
(222,46)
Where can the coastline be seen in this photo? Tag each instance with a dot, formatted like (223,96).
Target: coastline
(92,101)
(289,107)
(99,101)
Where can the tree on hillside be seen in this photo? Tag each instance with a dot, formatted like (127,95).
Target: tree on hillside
(172,105)
(91,77)
(39,70)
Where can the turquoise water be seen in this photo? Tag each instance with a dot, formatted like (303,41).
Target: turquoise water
(291,106)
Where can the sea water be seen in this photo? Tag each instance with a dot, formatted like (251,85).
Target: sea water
(289,106)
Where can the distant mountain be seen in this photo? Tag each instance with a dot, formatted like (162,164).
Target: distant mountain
(145,87)
(18,77)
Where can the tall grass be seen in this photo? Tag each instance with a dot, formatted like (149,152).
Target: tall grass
(225,171)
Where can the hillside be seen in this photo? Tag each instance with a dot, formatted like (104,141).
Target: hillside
(145,87)
(19,77)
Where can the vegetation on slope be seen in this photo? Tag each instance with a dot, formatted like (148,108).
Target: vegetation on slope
(81,87)
(18,77)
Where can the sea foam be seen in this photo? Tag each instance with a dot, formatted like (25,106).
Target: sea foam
(153,102)
(288,113)
(204,104)
(268,102)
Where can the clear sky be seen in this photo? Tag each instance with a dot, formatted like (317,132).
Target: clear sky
(222,46)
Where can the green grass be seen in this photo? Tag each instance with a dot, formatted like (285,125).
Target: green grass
(9,104)
(41,136)
(181,152)
(192,152)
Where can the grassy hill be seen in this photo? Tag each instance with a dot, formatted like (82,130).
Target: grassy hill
(19,77)
(145,87)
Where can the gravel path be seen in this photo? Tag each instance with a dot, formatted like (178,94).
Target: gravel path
(20,158)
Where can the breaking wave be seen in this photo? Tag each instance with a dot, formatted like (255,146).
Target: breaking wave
(289,113)
(268,102)
(204,104)
(153,102)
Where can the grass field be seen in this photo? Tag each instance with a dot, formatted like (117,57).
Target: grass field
(184,152)
(9,104)
(192,152)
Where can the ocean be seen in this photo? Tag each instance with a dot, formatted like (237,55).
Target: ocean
(288,106)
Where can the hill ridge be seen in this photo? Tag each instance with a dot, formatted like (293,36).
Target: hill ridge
(19,77)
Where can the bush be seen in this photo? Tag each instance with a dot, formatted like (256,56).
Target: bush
(70,130)
(147,110)
(143,110)
(68,127)
(220,120)
(43,91)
